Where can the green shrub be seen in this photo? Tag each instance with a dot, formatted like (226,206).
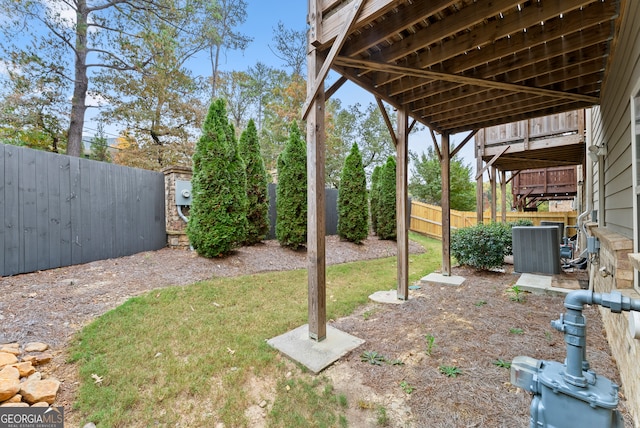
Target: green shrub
(353,212)
(374,196)
(257,193)
(291,193)
(484,246)
(480,246)
(217,218)
(386,221)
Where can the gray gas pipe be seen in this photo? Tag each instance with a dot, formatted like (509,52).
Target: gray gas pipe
(570,394)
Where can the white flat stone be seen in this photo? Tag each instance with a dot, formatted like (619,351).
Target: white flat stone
(438,278)
(390,296)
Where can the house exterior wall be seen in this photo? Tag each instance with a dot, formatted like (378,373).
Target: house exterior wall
(613,197)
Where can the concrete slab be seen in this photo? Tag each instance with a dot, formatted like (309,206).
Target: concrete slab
(390,296)
(541,284)
(440,279)
(316,356)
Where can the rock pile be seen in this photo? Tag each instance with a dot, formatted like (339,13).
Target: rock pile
(21,384)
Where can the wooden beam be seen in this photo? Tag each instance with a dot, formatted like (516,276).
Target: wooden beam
(317,301)
(334,88)
(496,45)
(492,161)
(318,81)
(435,144)
(479,191)
(513,175)
(387,121)
(373,9)
(465,141)
(454,78)
(494,196)
(503,196)
(405,18)
(402,198)
(445,203)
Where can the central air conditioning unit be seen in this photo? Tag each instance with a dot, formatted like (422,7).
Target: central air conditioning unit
(536,249)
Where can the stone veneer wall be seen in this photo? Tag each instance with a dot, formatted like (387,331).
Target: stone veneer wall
(615,251)
(176,227)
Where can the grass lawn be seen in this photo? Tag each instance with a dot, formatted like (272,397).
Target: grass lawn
(187,356)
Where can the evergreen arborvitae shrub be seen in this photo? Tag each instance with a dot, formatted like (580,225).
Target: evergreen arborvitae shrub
(217,218)
(353,212)
(291,193)
(257,193)
(374,197)
(386,221)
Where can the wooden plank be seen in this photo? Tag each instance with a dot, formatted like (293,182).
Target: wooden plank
(332,25)
(479,189)
(387,121)
(454,78)
(402,198)
(406,17)
(13,244)
(75,199)
(66,197)
(43,161)
(496,45)
(28,212)
(317,302)
(445,165)
(55,201)
(319,76)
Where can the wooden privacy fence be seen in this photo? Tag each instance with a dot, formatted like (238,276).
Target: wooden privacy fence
(57,210)
(427,219)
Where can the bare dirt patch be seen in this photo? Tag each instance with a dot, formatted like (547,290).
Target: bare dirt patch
(473,326)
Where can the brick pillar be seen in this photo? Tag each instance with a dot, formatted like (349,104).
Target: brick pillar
(175,226)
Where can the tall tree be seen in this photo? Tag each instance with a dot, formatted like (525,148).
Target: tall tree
(235,87)
(291,47)
(224,17)
(426,181)
(386,221)
(283,107)
(32,107)
(291,193)
(217,219)
(75,38)
(374,197)
(339,134)
(257,193)
(353,210)
(260,85)
(159,104)
(100,146)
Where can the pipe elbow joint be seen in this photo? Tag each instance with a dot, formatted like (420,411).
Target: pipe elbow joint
(577,299)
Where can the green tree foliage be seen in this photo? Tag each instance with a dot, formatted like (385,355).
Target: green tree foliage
(374,197)
(217,219)
(386,221)
(159,104)
(291,194)
(33,105)
(99,146)
(426,181)
(222,17)
(353,212)
(257,193)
